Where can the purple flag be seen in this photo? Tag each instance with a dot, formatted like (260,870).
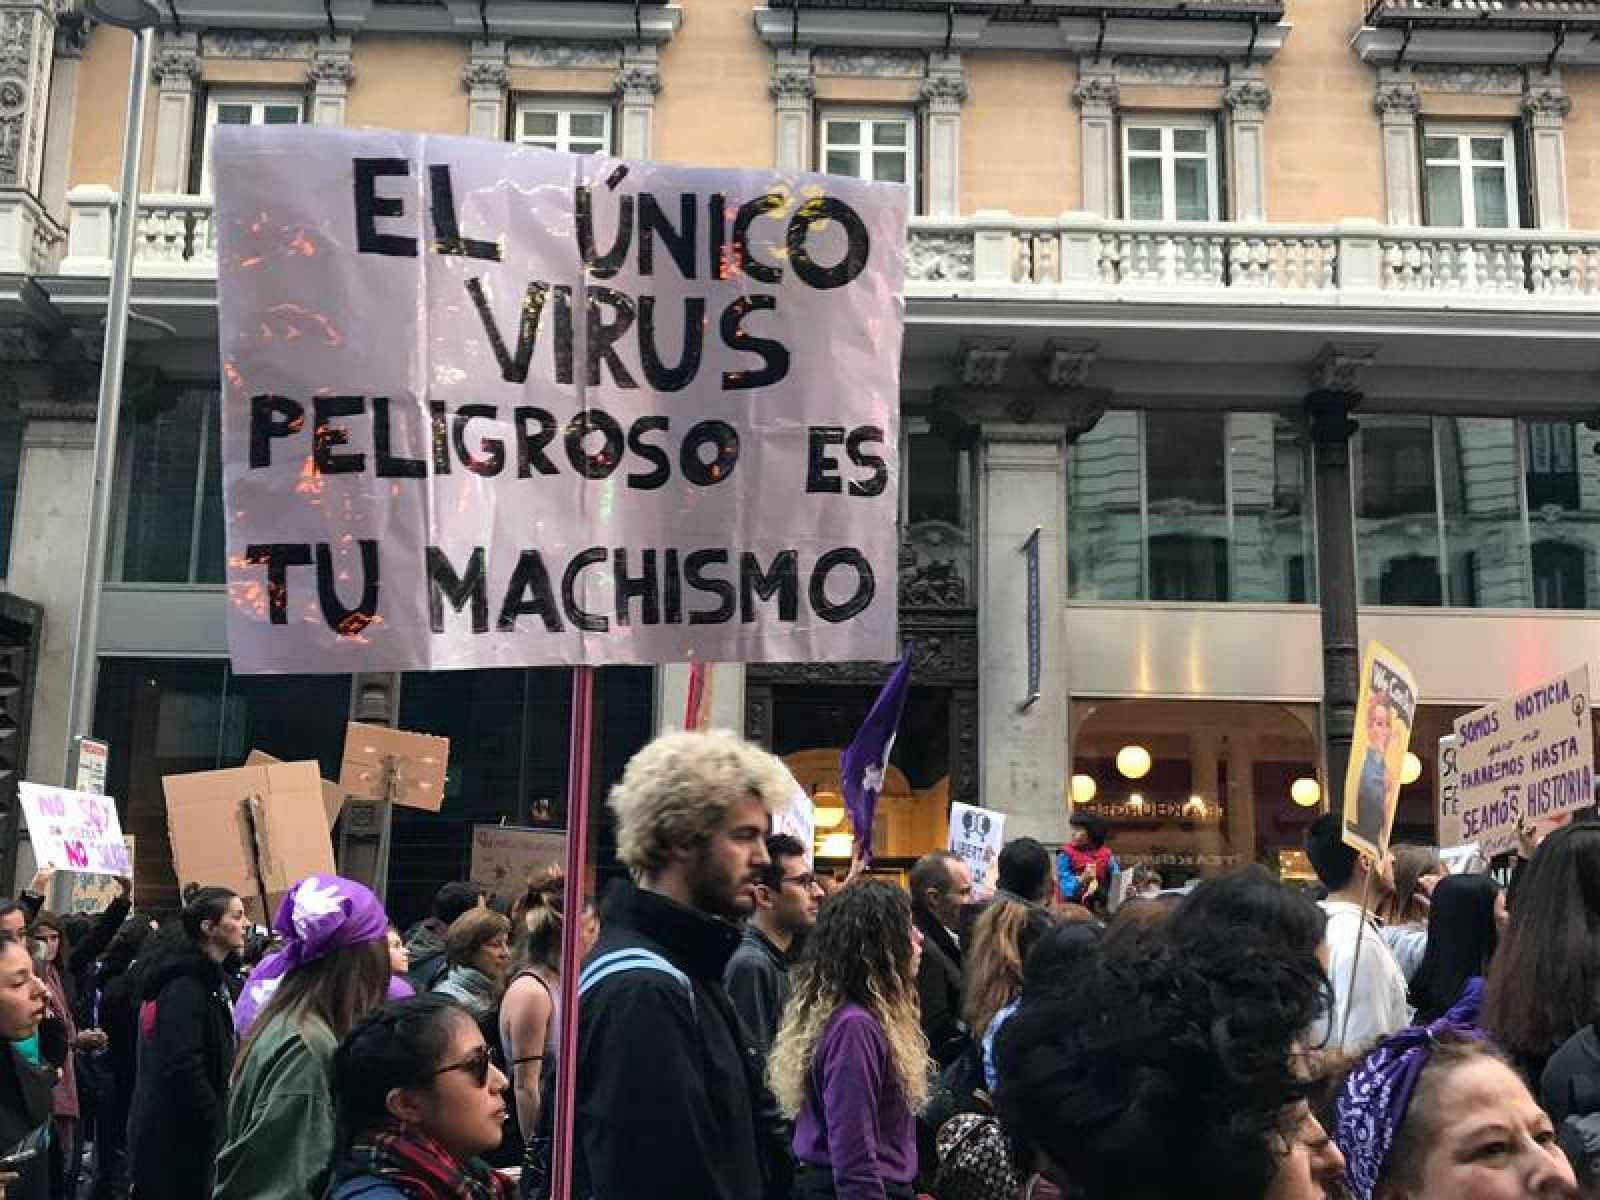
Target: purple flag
(864,761)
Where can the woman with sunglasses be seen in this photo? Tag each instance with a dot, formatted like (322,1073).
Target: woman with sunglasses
(418,1102)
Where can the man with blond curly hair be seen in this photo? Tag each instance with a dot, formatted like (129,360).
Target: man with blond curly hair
(670,1102)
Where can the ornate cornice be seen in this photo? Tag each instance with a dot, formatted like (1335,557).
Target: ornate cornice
(58,410)
(639,79)
(944,89)
(257,44)
(792,83)
(176,66)
(331,68)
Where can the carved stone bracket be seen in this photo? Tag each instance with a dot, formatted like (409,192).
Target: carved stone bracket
(638,80)
(983,364)
(1397,99)
(792,83)
(491,76)
(332,69)
(1097,93)
(945,89)
(1547,102)
(1067,364)
(176,66)
(1250,98)
(1338,367)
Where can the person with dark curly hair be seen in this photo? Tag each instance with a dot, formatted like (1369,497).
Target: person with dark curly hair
(850,1064)
(1171,1074)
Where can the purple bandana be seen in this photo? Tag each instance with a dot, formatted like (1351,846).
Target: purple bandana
(318,915)
(1372,1104)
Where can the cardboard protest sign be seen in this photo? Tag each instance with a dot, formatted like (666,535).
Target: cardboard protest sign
(976,835)
(74,831)
(257,830)
(1385,712)
(1525,760)
(1449,807)
(332,793)
(389,764)
(506,857)
(84,893)
(488,405)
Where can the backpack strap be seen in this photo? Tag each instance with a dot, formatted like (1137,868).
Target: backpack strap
(632,958)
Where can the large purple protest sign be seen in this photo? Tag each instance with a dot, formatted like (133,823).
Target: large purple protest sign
(490,405)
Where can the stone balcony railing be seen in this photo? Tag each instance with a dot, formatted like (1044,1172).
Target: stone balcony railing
(30,240)
(1077,257)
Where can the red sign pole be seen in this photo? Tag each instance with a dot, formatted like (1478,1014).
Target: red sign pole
(578,764)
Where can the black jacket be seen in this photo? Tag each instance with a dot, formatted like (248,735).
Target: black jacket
(757,978)
(939,990)
(24,1107)
(186,1046)
(670,1104)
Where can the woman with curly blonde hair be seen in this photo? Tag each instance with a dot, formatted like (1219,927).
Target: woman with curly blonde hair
(850,1063)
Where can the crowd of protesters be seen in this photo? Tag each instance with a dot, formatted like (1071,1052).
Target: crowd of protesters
(750,1030)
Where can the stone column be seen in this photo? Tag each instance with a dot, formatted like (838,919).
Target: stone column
(1097,97)
(486,78)
(176,70)
(792,87)
(1247,100)
(1547,106)
(330,75)
(1398,104)
(1335,395)
(638,85)
(27,41)
(49,537)
(944,89)
(61,117)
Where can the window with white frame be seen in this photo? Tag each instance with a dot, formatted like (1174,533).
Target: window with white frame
(876,146)
(1169,169)
(227,106)
(1469,176)
(572,127)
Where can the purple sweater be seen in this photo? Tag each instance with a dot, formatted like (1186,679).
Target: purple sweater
(855,1120)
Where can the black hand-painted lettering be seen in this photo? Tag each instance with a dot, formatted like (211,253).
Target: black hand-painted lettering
(660,465)
(326,437)
(587,621)
(603,266)
(278,557)
(348,622)
(724,442)
(644,585)
(775,355)
(272,417)
(529,594)
(858,244)
(459,589)
(856,446)
(657,374)
(781,579)
(513,367)
(491,459)
(694,574)
(531,442)
(447,237)
(370,206)
(678,241)
(866,585)
(822,469)
(386,462)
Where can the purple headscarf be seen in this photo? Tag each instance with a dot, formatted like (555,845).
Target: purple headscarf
(318,915)
(1373,1102)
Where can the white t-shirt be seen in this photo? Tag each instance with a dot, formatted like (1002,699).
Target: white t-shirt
(1377,1004)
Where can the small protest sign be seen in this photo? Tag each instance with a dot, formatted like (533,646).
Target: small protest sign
(90,773)
(74,831)
(1525,760)
(1385,712)
(506,857)
(390,764)
(257,830)
(1449,807)
(976,835)
(83,893)
(644,412)
(798,817)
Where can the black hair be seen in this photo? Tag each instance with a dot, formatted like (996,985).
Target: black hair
(1461,941)
(1091,823)
(1250,898)
(453,899)
(1139,919)
(400,1044)
(204,904)
(1025,869)
(1060,957)
(1332,860)
(1189,1047)
(779,845)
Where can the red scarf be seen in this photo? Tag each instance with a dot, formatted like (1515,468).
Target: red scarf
(422,1168)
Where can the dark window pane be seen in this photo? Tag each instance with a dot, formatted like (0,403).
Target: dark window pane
(209,553)
(160,462)
(1552,465)
(1188,567)
(10,464)
(933,480)
(1559,575)
(1411,580)
(1396,470)
(1184,460)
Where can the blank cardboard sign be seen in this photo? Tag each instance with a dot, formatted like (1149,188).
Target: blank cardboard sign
(256,829)
(419,761)
(332,793)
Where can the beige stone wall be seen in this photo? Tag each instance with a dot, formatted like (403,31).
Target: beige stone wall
(410,82)
(714,106)
(1019,134)
(96,155)
(1324,152)
(1583,147)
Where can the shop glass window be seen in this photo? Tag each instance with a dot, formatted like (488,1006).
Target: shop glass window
(1485,538)
(1190,507)
(1561,479)
(169,490)
(877,147)
(1169,169)
(226,106)
(570,128)
(1469,177)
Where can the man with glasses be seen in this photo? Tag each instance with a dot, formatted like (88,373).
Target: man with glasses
(757,976)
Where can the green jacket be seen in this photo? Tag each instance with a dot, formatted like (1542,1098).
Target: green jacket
(280,1114)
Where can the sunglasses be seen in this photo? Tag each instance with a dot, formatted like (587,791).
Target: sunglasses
(475,1064)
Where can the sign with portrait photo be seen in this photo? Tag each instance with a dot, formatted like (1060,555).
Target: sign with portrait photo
(1385,713)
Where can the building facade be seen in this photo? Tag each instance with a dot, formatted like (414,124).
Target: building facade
(1276,319)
